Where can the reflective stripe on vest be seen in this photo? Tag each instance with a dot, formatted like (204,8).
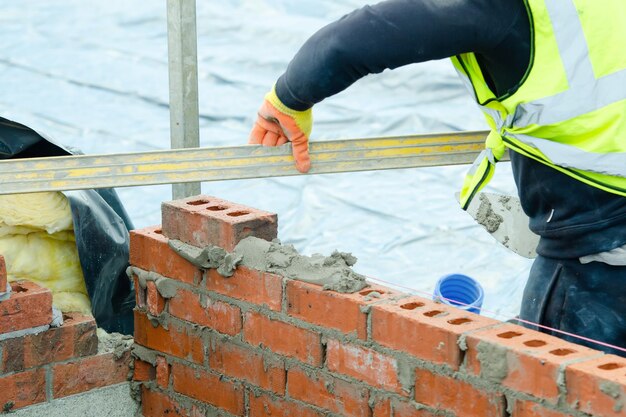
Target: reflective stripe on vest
(585,95)
(572,157)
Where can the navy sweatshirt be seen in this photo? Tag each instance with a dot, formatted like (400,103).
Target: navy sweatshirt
(572,218)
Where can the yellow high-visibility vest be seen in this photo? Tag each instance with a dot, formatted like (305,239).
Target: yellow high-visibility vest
(569,110)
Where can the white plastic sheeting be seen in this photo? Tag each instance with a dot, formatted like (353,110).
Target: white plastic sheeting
(93,74)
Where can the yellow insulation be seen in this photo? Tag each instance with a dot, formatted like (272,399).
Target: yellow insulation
(38,244)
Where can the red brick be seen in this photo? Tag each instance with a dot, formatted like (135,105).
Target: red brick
(29,306)
(393,407)
(3,275)
(155,404)
(163,371)
(256,287)
(89,373)
(176,340)
(382,408)
(201,310)
(405,409)
(425,329)
(366,365)
(327,392)
(76,338)
(84,333)
(209,388)
(140,294)
(264,406)
(598,386)
(149,251)
(530,409)
(22,389)
(460,397)
(283,338)
(204,220)
(244,363)
(341,311)
(531,360)
(143,371)
(155,302)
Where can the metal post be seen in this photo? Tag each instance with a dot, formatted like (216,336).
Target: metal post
(183,74)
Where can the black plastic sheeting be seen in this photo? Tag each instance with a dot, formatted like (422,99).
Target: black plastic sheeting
(101,227)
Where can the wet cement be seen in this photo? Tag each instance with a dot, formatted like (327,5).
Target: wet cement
(333,272)
(493,362)
(210,257)
(115,343)
(614,391)
(165,287)
(487,217)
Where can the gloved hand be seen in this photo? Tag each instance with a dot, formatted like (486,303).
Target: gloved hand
(276,124)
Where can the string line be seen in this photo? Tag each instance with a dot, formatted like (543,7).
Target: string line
(494,314)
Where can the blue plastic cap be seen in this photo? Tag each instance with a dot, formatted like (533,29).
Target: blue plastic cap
(466,291)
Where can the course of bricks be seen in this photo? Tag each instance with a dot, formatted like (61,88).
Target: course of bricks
(40,363)
(257,344)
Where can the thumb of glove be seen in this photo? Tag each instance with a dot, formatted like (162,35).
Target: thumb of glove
(276,121)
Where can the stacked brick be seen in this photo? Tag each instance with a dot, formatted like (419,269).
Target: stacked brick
(4,283)
(39,363)
(257,344)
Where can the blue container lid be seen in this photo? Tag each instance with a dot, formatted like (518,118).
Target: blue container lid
(460,291)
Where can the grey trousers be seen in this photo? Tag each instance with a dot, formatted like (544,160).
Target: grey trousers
(587,300)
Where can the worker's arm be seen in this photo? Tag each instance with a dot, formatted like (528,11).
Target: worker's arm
(369,40)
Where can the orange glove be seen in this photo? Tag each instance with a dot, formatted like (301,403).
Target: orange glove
(278,124)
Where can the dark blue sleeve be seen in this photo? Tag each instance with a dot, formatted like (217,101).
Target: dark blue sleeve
(389,35)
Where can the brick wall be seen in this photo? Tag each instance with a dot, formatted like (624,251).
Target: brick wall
(40,363)
(258,344)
